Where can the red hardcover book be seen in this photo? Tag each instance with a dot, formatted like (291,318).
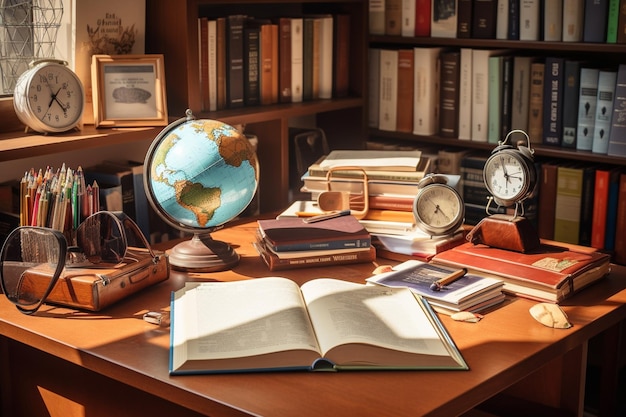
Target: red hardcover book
(404,115)
(552,273)
(422,17)
(600,205)
(341,69)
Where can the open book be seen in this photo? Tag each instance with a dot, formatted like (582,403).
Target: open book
(270,324)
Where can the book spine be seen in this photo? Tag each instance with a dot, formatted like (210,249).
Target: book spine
(612,21)
(568,204)
(326,57)
(408,18)
(553,101)
(494,92)
(251,66)
(311,245)
(520,93)
(553,20)
(203,58)
(611,212)
(388,90)
(535,102)
(571,94)
(412,176)
(507,96)
(600,204)
(212,65)
(514,20)
(502,19)
(464,22)
(480,94)
(586,206)
(274,263)
(267,68)
(341,76)
(393,17)
(620,224)
(426,91)
(284,60)
(443,22)
(376,17)
(373,86)
(221,47)
(404,106)
(573,12)
(296,59)
(587,100)
(423,11)
(617,137)
(449,94)
(235,58)
(484,19)
(604,111)
(308,38)
(595,21)
(465,94)
(389,202)
(547,200)
(529,16)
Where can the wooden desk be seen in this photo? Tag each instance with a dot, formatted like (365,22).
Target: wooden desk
(62,362)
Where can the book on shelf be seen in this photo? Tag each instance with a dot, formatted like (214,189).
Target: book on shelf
(530,20)
(464,21)
(586,204)
(471,292)
(296,59)
(573,20)
(235,60)
(495,102)
(423,11)
(444,18)
(520,94)
(373,86)
(613,11)
(621,24)
(547,199)
(405,89)
(595,21)
(303,326)
(220,64)
(426,90)
(619,249)
(587,100)
(571,94)
(552,273)
(604,111)
(278,261)
(296,234)
(393,17)
(388,90)
(535,102)
(449,93)
(568,203)
(203,60)
(507,95)
(341,58)
(553,88)
(465,94)
(284,60)
(617,136)
(480,92)
(513,25)
(600,207)
(310,58)
(252,64)
(552,20)
(268,65)
(407,28)
(326,66)
(376,11)
(484,19)
(611,212)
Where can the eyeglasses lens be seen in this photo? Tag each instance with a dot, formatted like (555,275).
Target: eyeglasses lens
(102,239)
(31,261)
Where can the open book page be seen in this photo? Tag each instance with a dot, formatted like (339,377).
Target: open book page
(359,325)
(216,322)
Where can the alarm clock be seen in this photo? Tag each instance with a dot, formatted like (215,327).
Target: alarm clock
(49,97)
(438,208)
(509,173)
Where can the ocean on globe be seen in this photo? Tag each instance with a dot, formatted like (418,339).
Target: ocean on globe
(200,173)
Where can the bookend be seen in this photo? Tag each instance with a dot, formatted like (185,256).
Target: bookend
(502,231)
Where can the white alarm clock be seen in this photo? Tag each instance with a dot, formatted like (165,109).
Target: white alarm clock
(49,97)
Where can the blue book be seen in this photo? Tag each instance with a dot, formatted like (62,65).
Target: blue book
(611,211)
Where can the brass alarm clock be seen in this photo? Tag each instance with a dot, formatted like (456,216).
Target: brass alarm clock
(49,97)
(438,208)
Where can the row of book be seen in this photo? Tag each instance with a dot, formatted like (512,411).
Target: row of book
(602,21)
(247,61)
(481,95)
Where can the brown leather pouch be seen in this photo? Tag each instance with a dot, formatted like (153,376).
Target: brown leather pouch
(505,232)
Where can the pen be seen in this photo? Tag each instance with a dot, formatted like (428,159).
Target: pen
(327,216)
(442,282)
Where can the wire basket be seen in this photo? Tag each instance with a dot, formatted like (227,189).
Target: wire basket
(28,31)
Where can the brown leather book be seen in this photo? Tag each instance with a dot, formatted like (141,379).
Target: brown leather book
(404,109)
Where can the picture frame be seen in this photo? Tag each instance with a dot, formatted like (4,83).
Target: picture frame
(129,90)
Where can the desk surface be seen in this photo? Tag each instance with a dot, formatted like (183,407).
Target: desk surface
(506,346)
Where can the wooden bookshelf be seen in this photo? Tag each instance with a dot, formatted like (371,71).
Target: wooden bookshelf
(172,30)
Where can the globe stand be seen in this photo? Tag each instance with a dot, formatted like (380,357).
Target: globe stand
(203,254)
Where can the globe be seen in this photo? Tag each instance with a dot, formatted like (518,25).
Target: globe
(198,175)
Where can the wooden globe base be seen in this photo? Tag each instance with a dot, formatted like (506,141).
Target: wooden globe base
(203,254)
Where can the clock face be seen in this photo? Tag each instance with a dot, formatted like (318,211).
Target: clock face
(507,177)
(438,209)
(53,98)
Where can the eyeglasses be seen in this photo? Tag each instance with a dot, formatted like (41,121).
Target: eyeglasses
(33,258)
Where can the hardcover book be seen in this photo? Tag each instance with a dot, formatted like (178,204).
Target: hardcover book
(552,273)
(444,18)
(595,21)
(480,92)
(520,92)
(502,19)
(302,324)
(295,234)
(571,94)
(553,100)
(484,14)
(465,94)
(587,100)
(235,61)
(370,160)
(464,21)
(471,292)
(535,102)
(426,94)
(252,65)
(617,137)
(388,90)
(449,94)
(568,203)
(423,11)
(604,111)
(513,25)
(573,15)
(393,17)
(547,200)
(404,106)
(530,21)
(600,207)
(296,59)
(284,60)
(552,20)
(341,68)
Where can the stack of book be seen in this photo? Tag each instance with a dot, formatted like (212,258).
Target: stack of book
(470,292)
(293,242)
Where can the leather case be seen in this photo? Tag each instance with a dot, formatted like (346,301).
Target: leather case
(96,288)
(502,231)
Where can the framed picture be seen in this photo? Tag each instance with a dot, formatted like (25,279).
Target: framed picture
(128,90)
